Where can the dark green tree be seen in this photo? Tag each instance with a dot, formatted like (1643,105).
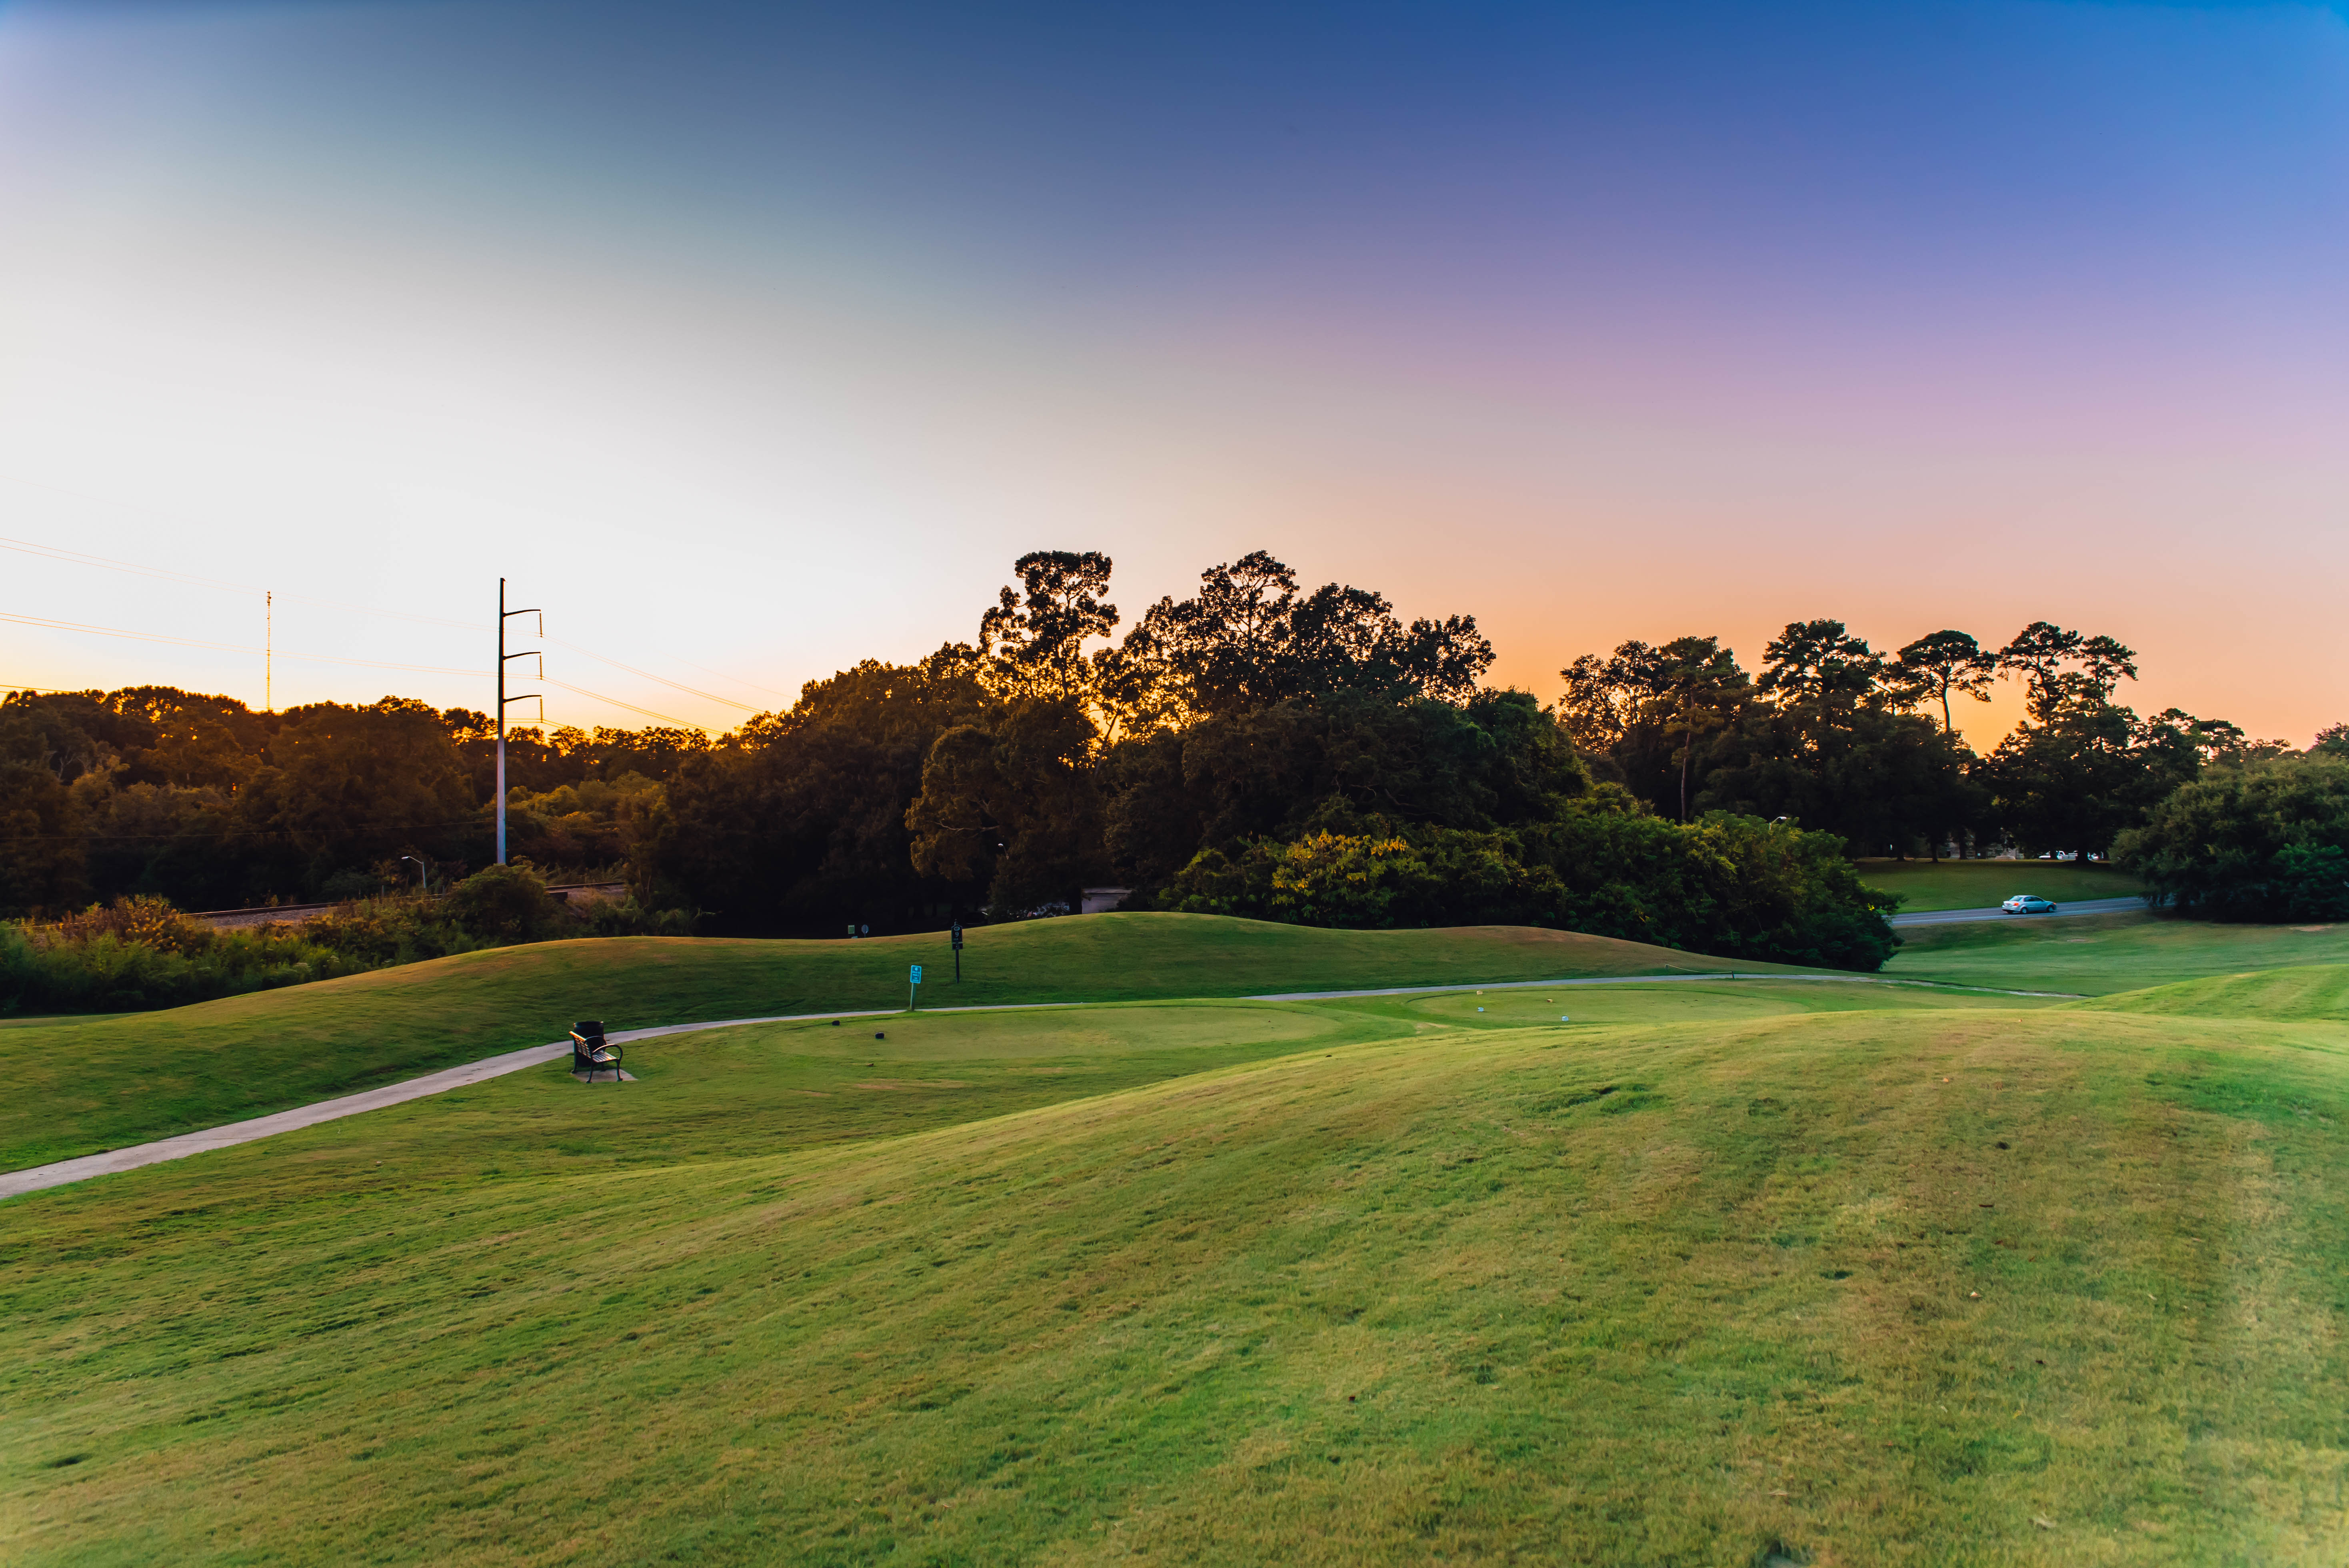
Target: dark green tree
(1010,799)
(1829,748)
(2063,670)
(2261,840)
(1650,709)
(1249,639)
(798,823)
(1939,664)
(342,788)
(2082,769)
(43,843)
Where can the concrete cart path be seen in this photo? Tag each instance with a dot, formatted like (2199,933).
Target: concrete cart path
(1955,916)
(35,1179)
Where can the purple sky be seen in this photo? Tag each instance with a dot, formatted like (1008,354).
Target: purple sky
(759,342)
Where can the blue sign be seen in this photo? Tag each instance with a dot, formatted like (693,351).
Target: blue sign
(917,973)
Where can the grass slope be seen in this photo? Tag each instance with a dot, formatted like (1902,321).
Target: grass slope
(2099,953)
(100,1084)
(764,1088)
(1698,1286)
(1979,884)
(2319,991)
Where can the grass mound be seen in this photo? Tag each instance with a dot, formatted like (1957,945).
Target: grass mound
(100,1084)
(1974,1286)
(2100,955)
(2311,991)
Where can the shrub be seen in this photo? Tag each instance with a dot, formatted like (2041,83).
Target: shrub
(384,931)
(138,954)
(502,904)
(1732,886)
(626,917)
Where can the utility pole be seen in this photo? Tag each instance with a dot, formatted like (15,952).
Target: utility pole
(268,650)
(504,615)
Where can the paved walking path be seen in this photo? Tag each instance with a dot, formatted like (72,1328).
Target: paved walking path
(15,1183)
(1955,916)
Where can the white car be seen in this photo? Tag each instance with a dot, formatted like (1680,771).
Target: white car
(2027,904)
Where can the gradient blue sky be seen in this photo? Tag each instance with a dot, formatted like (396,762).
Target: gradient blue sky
(759,339)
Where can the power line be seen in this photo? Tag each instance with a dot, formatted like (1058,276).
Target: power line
(324,658)
(738,680)
(227,647)
(80,558)
(690,691)
(161,573)
(164,573)
(616,702)
(83,558)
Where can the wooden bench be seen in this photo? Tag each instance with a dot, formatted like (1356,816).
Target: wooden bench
(590,1053)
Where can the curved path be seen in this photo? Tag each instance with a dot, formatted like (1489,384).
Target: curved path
(34,1179)
(1955,916)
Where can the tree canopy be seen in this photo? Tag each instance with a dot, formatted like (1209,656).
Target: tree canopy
(2261,840)
(1257,746)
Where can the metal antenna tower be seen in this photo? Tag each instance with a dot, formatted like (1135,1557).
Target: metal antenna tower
(504,615)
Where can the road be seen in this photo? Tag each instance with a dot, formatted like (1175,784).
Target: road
(1958,916)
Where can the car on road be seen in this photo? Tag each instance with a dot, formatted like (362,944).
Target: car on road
(2027,904)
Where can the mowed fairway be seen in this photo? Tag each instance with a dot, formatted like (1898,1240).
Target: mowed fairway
(1719,1271)
(2097,954)
(86,1085)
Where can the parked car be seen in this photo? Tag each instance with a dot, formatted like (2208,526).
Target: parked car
(2027,904)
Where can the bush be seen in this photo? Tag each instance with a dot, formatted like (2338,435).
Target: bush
(626,917)
(1731,886)
(139,954)
(2268,840)
(503,904)
(379,931)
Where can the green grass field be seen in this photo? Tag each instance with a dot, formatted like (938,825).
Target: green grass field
(89,1084)
(1718,1271)
(2097,954)
(1980,884)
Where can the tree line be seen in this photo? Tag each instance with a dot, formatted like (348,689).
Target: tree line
(200,800)
(1259,748)
(1864,744)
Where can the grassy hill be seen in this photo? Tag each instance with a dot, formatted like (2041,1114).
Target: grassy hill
(1979,884)
(1716,1272)
(2316,991)
(2097,954)
(87,1085)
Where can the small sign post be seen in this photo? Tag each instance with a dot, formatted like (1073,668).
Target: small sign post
(957,952)
(914,989)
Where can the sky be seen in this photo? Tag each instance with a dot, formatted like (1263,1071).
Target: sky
(752,340)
